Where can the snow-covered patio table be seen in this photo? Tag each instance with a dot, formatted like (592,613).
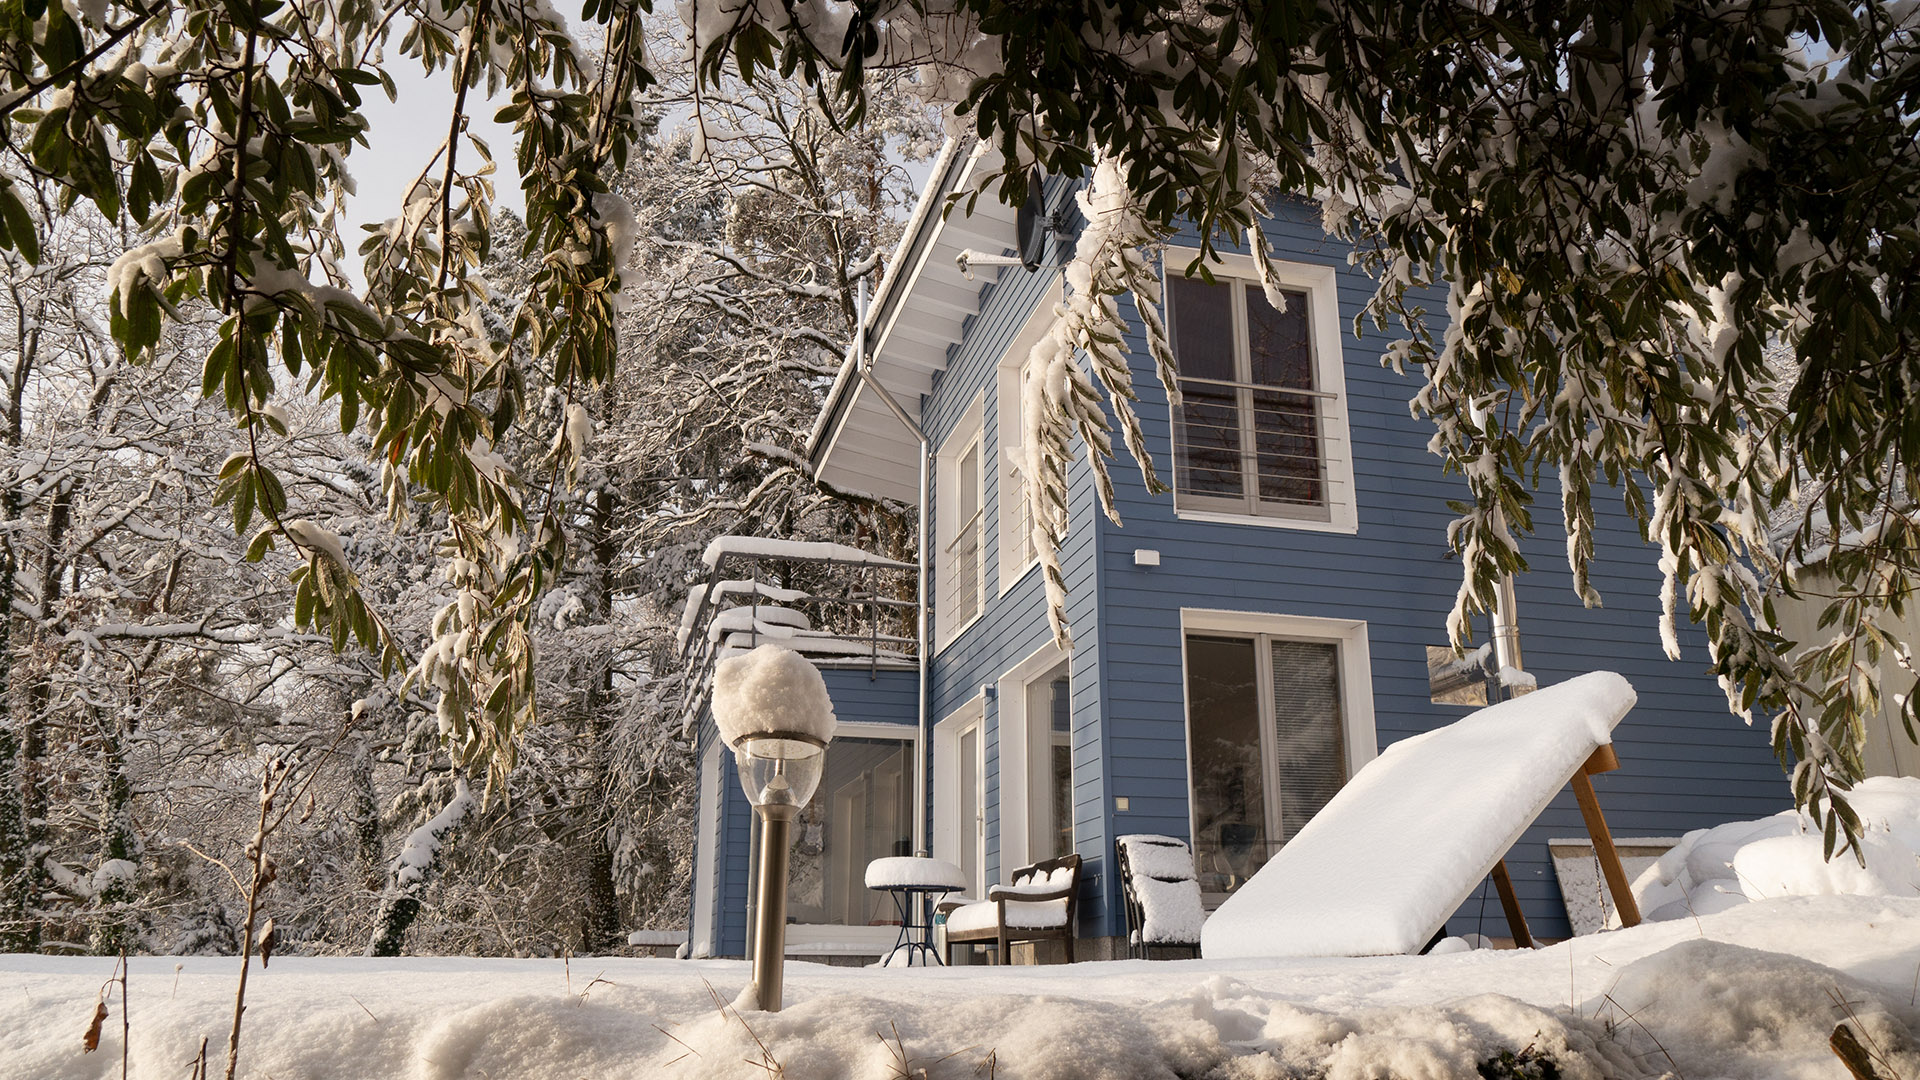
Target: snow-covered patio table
(917,883)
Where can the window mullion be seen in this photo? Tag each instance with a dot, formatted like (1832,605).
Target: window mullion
(1243,398)
(1269,751)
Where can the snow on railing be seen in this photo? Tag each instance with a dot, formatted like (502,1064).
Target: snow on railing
(802,550)
(855,606)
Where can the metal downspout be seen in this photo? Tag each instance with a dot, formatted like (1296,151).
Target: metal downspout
(922,751)
(1506,627)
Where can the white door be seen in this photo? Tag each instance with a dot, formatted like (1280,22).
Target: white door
(972,823)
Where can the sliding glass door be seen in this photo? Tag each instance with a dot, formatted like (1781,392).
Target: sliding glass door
(1265,747)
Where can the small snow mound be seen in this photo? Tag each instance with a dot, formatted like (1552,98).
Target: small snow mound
(1710,1008)
(770,689)
(1711,870)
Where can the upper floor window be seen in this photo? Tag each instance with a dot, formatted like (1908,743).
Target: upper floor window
(962,522)
(1261,431)
(1014,499)
(963,551)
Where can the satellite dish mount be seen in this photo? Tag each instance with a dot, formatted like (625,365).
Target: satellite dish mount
(1032,226)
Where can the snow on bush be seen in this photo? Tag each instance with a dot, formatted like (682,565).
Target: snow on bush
(770,689)
(1728,865)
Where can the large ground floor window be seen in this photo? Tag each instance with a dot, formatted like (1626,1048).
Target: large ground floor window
(863,811)
(1271,736)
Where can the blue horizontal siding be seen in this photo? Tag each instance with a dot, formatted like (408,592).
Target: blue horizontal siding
(1685,762)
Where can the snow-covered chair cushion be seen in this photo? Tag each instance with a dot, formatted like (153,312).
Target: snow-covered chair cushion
(986,916)
(1171,911)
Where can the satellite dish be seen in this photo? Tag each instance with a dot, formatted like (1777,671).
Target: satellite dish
(1032,224)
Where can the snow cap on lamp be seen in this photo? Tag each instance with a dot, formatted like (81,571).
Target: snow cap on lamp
(771,689)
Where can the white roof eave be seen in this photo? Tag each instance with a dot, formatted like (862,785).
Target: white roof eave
(926,294)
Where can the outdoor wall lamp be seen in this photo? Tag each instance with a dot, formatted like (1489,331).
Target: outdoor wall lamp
(772,708)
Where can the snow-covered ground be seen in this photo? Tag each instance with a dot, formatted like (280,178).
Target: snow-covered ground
(1759,950)
(1754,991)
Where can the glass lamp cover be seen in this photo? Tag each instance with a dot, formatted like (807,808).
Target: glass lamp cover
(779,772)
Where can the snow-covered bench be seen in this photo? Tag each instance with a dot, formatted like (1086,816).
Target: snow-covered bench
(1407,840)
(1039,905)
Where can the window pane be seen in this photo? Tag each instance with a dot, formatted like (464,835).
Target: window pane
(1050,712)
(968,488)
(1277,341)
(1209,420)
(1062,799)
(862,812)
(1223,753)
(1286,426)
(1309,732)
(970,525)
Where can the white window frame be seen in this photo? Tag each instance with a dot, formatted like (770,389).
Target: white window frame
(1018,556)
(948,834)
(706,848)
(968,437)
(904,734)
(1024,769)
(1356,685)
(1321,284)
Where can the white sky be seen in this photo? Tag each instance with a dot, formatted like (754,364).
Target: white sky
(403,136)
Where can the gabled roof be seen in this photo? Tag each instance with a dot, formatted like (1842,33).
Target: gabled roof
(919,310)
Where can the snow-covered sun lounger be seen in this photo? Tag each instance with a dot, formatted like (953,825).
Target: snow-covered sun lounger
(1409,838)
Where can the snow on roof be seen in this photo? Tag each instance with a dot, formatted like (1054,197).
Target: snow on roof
(816,551)
(1407,840)
(811,642)
(770,689)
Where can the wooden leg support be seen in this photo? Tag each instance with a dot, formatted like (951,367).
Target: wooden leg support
(1603,849)
(1516,919)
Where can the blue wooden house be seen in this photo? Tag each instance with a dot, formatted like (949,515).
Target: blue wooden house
(1241,646)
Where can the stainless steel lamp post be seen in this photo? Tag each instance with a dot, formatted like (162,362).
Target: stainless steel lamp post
(779,770)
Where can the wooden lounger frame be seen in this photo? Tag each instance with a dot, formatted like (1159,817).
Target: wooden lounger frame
(1600,761)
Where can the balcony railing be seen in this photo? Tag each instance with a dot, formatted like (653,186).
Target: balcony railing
(963,571)
(831,603)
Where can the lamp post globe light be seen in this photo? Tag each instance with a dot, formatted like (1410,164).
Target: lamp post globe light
(772,708)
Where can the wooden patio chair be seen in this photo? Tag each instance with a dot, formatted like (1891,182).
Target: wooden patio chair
(1160,893)
(1040,904)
